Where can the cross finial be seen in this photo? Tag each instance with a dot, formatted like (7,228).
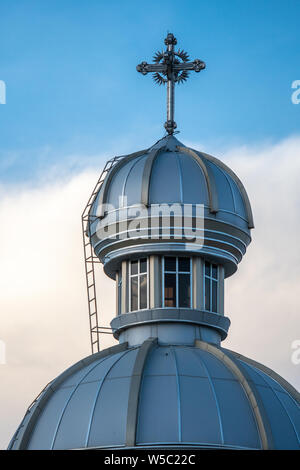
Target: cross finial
(170,67)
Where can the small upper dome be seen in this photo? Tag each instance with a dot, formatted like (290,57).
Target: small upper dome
(170,174)
(153,395)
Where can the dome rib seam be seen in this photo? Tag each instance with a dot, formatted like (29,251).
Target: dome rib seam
(215,397)
(134,391)
(98,394)
(146,178)
(106,183)
(180,178)
(23,433)
(282,405)
(178,395)
(238,182)
(209,177)
(231,189)
(72,392)
(284,384)
(133,164)
(217,352)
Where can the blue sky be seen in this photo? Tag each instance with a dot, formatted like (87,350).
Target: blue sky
(73,93)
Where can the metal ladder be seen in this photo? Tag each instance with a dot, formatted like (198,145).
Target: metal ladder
(90,260)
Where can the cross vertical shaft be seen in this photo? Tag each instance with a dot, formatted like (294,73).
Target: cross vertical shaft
(170,67)
(170,124)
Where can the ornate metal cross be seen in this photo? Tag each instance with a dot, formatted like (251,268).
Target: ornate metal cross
(170,67)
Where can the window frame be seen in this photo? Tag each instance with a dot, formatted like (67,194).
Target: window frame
(177,272)
(138,276)
(211,278)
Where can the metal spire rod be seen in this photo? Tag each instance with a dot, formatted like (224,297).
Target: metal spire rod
(170,67)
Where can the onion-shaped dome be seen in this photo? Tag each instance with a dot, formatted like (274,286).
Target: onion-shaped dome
(153,395)
(166,174)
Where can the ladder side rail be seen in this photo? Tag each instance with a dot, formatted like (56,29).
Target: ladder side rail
(89,267)
(90,260)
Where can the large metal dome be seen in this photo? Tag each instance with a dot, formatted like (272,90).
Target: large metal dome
(171,173)
(159,396)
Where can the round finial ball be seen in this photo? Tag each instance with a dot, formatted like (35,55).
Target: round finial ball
(170,39)
(170,126)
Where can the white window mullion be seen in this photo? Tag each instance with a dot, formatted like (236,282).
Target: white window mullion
(129,286)
(204,285)
(210,285)
(148,280)
(191,284)
(217,300)
(177,283)
(163,281)
(138,285)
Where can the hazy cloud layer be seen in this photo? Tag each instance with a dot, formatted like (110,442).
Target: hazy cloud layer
(44,320)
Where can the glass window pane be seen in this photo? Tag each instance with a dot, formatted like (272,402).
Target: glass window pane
(184,264)
(170,263)
(134,293)
(143,265)
(120,292)
(207,294)
(134,267)
(170,290)
(214,271)
(184,290)
(207,268)
(214,296)
(143,291)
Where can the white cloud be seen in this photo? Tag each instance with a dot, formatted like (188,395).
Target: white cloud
(44,320)
(262,298)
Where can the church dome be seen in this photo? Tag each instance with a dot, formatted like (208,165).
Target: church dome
(169,224)
(169,173)
(163,395)
(197,178)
